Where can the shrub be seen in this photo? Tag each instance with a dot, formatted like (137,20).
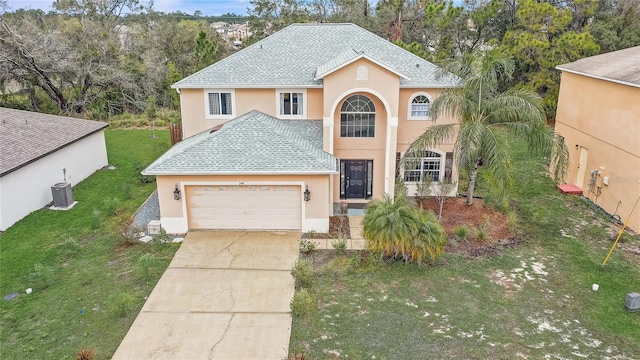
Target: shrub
(111,205)
(481,234)
(303,273)
(461,232)
(307,246)
(396,229)
(340,245)
(85,354)
(126,191)
(42,276)
(162,236)
(145,264)
(121,304)
(302,303)
(137,169)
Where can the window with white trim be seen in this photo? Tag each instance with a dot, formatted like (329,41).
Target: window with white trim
(419,107)
(291,104)
(358,117)
(220,104)
(429,166)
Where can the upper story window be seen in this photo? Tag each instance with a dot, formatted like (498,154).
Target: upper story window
(291,103)
(428,167)
(220,104)
(358,117)
(419,107)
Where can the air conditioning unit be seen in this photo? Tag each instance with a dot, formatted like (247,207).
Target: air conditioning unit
(62,196)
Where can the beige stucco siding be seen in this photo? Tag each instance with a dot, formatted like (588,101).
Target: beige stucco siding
(381,82)
(408,130)
(604,119)
(193,112)
(604,109)
(315,212)
(314,104)
(263,100)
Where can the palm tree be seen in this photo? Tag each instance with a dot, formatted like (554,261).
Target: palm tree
(484,110)
(395,228)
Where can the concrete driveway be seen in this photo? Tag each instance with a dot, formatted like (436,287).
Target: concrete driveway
(225,295)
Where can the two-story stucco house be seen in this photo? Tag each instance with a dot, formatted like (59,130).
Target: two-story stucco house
(279,133)
(599,117)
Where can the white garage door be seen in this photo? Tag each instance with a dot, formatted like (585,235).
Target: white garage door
(253,207)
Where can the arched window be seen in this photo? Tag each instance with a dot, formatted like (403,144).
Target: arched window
(419,107)
(358,117)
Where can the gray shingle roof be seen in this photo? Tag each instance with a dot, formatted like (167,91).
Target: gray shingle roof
(291,57)
(28,136)
(254,143)
(621,66)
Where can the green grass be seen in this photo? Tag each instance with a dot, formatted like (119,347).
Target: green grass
(86,277)
(532,301)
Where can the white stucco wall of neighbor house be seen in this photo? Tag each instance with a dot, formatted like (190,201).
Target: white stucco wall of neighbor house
(29,188)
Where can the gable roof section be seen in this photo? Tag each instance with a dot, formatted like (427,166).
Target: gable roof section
(296,55)
(345,58)
(28,136)
(254,143)
(622,66)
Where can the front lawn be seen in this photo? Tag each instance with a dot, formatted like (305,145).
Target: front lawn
(88,280)
(533,301)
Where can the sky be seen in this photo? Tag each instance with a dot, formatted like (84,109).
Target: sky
(208,7)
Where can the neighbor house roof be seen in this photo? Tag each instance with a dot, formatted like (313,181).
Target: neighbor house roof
(300,54)
(622,66)
(28,136)
(254,143)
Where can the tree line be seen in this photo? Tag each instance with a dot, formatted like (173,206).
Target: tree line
(98,59)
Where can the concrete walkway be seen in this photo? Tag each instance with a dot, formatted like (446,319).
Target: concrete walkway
(225,295)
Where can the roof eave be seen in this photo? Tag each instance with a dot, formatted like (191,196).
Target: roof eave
(604,78)
(183,173)
(361,56)
(18,167)
(288,86)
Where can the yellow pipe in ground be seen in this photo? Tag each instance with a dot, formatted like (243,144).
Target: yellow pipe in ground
(620,233)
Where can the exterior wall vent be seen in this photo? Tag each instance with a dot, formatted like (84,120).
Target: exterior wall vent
(62,196)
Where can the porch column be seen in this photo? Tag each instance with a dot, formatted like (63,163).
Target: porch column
(390,155)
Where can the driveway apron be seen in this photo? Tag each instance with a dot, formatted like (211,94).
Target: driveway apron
(225,295)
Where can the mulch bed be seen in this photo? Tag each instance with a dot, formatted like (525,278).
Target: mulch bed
(338,225)
(455,212)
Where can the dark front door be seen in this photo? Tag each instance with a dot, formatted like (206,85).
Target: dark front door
(355,179)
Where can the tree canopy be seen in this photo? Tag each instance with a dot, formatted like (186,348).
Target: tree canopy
(110,56)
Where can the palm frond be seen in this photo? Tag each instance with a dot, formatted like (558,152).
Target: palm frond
(468,146)
(496,156)
(432,136)
(519,105)
(559,158)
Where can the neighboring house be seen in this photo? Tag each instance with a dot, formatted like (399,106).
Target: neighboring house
(599,117)
(278,134)
(40,150)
